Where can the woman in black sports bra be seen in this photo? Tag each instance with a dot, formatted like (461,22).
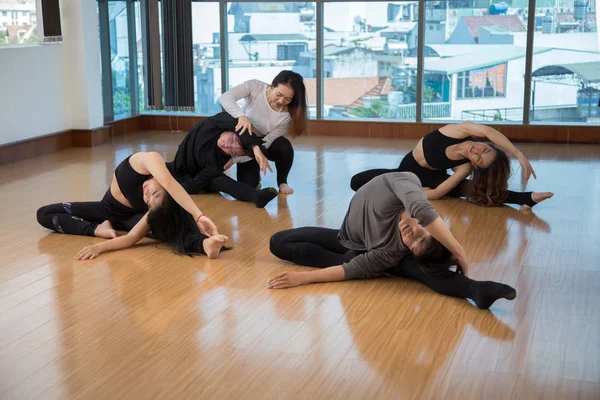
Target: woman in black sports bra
(452,147)
(143,198)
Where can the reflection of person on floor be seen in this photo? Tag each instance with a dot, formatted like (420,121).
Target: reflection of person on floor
(205,151)
(452,147)
(389,219)
(142,197)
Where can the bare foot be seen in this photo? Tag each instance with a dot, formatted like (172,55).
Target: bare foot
(212,245)
(105,230)
(538,197)
(285,189)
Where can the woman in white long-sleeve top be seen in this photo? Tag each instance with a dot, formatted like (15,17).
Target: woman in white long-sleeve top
(271,111)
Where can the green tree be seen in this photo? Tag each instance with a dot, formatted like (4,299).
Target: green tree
(121,98)
(378,109)
(428,94)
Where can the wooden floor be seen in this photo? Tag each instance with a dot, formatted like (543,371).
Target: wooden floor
(146,324)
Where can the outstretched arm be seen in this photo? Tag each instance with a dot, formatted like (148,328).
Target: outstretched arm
(122,242)
(370,264)
(155,165)
(501,141)
(296,278)
(460,174)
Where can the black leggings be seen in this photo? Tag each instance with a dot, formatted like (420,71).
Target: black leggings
(319,247)
(223,183)
(280,151)
(241,191)
(82,218)
(432,179)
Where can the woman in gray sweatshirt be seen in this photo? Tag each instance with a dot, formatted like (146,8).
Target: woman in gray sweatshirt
(390,229)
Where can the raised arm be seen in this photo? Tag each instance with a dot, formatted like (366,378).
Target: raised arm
(155,165)
(439,230)
(494,136)
(407,188)
(122,242)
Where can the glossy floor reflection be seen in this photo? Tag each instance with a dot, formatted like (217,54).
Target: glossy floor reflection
(144,323)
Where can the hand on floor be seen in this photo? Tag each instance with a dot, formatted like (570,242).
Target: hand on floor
(286,280)
(88,253)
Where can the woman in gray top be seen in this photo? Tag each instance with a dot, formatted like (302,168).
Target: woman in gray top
(389,219)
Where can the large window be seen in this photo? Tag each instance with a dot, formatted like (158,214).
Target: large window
(474,61)
(119,53)
(18,22)
(565,86)
(207,57)
(265,38)
(367,67)
(474,57)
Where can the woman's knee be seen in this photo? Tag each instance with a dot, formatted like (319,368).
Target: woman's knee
(278,246)
(282,147)
(43,213)
(358,181)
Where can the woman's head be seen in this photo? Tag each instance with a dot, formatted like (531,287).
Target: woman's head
(414,236)
(490,184)
(230,144)
(432,256)
(481,155)
(288,90)
(153,193)
(172,224)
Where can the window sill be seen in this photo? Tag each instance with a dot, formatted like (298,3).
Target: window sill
(27,45)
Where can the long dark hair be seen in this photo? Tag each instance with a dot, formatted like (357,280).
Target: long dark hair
(173,225)
(297,107)
(490,185)
(436,259)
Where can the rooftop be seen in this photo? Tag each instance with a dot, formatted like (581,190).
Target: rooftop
(280,37)
(348,92)
(512,23)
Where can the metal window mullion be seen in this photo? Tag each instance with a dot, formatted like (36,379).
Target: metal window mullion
(146,54)
(420,60)
(528,62)
(320,5)
(133,72)
(223,41)
(107,89)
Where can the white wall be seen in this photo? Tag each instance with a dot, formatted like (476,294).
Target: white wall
(32,92)
(83,92)
(50,88)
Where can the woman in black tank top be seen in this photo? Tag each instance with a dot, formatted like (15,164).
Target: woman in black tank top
(487,164)
(148,202)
